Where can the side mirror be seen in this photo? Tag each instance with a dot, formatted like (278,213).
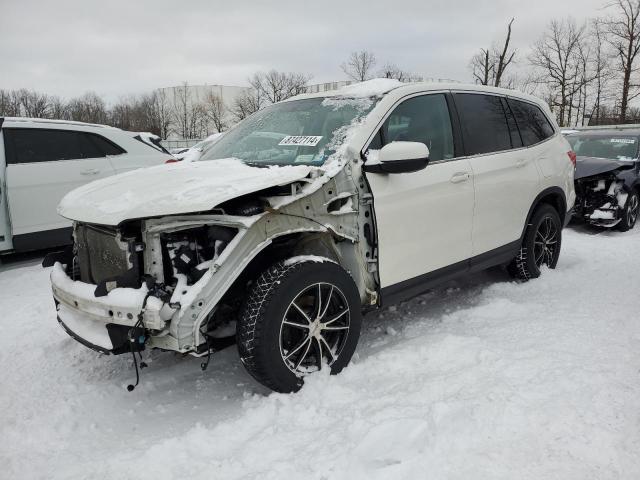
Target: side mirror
(399,157)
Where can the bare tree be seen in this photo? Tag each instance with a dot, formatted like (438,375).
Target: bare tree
(247,104)
(58,108)
(505,56)
(558,56)
(161,112)
(34,104)
(10,105)
(601,68)
(216,111)
(187,112)
(391,70)
(276,86)
(359,66)
(88,108)
(489,65)
(623,33)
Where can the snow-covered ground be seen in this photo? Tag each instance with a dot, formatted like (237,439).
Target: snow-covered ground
(483,378)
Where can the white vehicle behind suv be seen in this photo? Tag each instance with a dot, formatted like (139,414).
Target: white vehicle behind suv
(42,160)
(308,213)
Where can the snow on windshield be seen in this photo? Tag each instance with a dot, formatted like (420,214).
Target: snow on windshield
(297,132)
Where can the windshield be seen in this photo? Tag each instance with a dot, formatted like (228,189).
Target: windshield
(300,132)
(615,147)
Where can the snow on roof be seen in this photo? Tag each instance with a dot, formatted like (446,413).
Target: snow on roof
(368,88)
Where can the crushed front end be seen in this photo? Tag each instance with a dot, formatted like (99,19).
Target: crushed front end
(118,289)
(601,195)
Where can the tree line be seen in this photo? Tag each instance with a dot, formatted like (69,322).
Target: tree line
(587,72)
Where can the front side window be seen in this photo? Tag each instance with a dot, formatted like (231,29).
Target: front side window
(532,122)
(423,119)
(484,123)
(298,132)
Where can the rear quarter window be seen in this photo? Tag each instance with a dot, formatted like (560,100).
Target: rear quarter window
(533,124)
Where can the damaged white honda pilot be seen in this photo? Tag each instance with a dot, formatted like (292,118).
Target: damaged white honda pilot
(308,213)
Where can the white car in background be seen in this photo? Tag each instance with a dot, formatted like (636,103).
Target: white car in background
(42,160)
(194,153)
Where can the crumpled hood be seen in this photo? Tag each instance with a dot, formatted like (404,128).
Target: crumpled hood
(171,189)
(590,166)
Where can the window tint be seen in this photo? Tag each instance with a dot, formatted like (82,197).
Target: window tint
(420,119)
(484,123)
(533,124)
(25,145)
(516,140)
(104,146)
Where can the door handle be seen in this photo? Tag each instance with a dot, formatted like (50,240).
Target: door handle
(460,177)
(91,171)
(521,163)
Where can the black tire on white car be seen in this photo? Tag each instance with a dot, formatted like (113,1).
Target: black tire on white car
(630,212)
(300,316)
(540,245)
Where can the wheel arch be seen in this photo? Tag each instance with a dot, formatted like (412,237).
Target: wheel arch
(553,196)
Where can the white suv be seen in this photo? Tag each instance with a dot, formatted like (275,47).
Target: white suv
(42,160)
(308,213)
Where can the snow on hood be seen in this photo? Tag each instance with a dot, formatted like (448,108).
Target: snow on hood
(171,189)
(590,166)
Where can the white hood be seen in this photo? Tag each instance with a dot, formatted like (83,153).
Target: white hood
(171,189)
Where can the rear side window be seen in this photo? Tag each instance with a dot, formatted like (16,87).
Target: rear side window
(422,119)
(24,145)
(484,123)
(532,122)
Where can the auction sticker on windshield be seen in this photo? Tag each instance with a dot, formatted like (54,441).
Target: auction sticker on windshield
(623,140)
(304,140)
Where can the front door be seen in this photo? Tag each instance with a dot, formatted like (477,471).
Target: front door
(424,218)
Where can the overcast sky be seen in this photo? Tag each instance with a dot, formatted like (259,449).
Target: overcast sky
(115,47)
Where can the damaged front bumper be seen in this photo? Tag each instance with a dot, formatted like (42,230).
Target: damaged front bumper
(600,201)
(111,324)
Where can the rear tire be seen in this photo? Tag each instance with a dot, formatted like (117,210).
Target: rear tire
(298,318)
(630,213)
(540,246)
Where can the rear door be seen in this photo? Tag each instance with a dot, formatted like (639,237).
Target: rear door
(423,218)
(506,178)
(43,165)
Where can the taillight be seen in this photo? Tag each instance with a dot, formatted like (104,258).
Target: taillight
(572,157)
(172,160)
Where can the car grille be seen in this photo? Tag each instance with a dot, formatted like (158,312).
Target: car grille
(103,255)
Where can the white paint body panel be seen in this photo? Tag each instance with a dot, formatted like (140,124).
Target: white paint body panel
(506,185)
(424,219)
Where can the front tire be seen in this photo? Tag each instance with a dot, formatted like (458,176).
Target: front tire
(540,246)
(299,317)
(630,213)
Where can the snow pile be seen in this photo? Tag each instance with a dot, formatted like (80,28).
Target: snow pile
(481,378)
